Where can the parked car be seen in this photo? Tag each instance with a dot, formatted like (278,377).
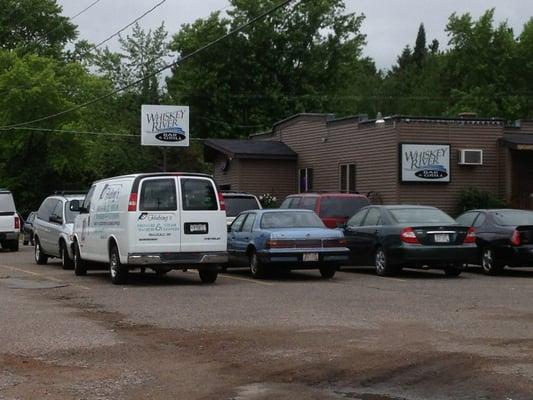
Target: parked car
(162,221)
(27,229)
(238,202)
(10,222)
(334,209)
(53,227)
(504,237)
(292,239)
(396,237)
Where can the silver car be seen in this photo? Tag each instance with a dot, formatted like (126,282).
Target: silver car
(53,227)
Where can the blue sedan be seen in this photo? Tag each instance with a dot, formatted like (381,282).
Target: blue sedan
(293,239)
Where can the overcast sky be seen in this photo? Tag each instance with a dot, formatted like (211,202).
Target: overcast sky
(389,24)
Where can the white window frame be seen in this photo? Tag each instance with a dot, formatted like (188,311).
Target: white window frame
(348,177)
(307,187)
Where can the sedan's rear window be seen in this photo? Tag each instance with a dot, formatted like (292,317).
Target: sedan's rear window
(290,219)
(237,204)
(513,217)
(343,207)
(421,216)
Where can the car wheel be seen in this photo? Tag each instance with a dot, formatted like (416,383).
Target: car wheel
(208,276)
(327,271)
(25,242)
(14,245)
(40,257)
(381,263)
(453,270)
(488,262)
(117,272)
(162,271)
(80,265)
(66,261)
(257,269)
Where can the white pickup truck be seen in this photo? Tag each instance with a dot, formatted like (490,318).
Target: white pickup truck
(9,221)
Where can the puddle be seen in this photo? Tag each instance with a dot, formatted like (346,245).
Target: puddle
(17,283)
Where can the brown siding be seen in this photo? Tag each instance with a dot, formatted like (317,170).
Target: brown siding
(228,177)
(277,177)
(484,177)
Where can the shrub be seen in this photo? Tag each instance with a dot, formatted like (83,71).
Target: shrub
(267,200)
(471,198)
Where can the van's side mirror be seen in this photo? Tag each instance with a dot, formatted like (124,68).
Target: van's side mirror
(74,206)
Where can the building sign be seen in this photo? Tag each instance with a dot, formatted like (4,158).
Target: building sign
(164,125)
(425,162)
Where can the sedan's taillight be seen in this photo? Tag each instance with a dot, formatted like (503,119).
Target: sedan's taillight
(334,243)
(132,203)
(515,238)
(407,235)
(17,222)
(470,236)
(279,244)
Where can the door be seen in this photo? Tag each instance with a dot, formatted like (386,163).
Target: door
(203,224)
(351,234)
(157,219)
(235,228)
(44,226)
(84,226)
(368,234)
(55,228)
(243,238)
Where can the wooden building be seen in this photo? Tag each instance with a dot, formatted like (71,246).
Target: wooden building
(397,160)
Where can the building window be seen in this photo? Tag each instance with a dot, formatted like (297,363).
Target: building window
(305,177)
(347,178)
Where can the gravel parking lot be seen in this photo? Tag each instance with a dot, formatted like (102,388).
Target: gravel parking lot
(419,335)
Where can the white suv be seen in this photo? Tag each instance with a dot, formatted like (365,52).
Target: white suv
(162,221)
(9,221)
(52,228)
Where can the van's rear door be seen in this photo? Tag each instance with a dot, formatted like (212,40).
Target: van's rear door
(7,212)
(203,223)
(157,220)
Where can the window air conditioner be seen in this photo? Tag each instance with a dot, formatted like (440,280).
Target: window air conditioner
(470,157)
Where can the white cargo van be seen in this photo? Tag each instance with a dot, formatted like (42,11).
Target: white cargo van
(9,221)
(161,221)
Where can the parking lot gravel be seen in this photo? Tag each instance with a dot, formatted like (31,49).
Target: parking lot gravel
(419,335)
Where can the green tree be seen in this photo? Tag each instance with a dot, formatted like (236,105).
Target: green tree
(306,58)
(420,50)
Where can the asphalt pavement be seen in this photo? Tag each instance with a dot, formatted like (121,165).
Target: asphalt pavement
(419,335)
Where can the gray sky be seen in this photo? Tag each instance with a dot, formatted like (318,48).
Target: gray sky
(389,24)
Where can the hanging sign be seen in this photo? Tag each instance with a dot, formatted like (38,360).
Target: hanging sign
(425,162)
(164,125)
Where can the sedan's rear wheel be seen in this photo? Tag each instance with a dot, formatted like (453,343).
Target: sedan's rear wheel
(453,270)
(257,269)
(40,257)
(489,263)
(327,271)
(208,276)
(66,261)
(381,263)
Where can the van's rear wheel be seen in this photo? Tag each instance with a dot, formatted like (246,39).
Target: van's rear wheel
(208,276)
(80,266)
(117,272)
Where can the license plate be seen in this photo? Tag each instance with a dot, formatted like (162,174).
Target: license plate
(197,227)
(310,257)
(442,238)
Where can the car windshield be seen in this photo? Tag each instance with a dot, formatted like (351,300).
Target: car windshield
(421,216)
(236,205)
(290,219)
(6,203)
(341,206)
(513,217)
(70,215)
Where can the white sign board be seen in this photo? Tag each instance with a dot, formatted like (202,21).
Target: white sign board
(164,125)
(425,162)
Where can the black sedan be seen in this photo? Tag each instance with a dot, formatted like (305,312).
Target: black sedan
(504,237)
(396,237)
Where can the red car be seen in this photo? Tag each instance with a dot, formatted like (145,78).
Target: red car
(334,209)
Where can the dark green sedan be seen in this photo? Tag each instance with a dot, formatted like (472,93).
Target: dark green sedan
(396,237)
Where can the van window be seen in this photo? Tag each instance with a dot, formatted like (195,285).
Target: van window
(341,206)
(308,203)
(87,201)
(6,202)
(158,195)
(198,195)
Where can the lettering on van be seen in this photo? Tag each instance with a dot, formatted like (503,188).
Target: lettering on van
(156,225)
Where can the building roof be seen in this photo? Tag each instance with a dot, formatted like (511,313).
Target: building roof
(518,141)
(243,148)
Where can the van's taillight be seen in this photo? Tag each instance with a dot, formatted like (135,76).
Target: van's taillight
(515,238)
(222,202)
(132,203)
(470,236)
(17,222)
(407,235)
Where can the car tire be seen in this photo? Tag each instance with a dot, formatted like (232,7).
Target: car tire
(382,264)
(453,270)
(117,272)
(25,242)
(80,265)
(208,275)
(327,271)
(489,264)
(162,271)
(40,257)
(14,245)
(257,269)
(66,261)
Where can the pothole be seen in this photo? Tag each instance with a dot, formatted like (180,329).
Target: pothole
(18,283)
